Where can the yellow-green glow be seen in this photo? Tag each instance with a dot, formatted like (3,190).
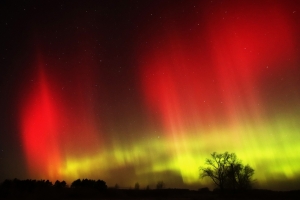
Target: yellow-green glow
(152,104)
(265,146)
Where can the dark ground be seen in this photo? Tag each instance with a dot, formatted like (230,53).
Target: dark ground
(178,194)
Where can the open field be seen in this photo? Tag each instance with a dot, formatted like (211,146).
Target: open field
(116,194)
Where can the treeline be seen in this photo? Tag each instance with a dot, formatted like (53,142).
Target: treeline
(30,184)
(87,183)
(97,189)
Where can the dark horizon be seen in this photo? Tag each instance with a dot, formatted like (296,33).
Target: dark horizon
(98,184)
(144,91)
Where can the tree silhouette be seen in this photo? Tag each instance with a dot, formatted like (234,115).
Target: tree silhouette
(160,185)
(59,184)
(227,172)
(26,185)
(240,176)
(100,184)
(137,186)
(87,183)
(76,183)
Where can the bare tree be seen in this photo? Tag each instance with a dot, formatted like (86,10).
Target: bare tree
(137,186)
(227,172)
(160,185)
(244,177)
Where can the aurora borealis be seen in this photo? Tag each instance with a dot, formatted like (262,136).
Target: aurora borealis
(144,91)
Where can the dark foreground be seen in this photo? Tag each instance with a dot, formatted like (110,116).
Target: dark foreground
(177,194)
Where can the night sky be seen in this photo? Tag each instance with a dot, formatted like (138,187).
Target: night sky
(143,91)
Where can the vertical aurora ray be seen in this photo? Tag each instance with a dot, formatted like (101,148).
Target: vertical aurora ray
(211,88)
(40,122)
(221,79)
(58,122)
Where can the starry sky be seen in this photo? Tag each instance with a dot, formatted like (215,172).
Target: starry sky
(143,91)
